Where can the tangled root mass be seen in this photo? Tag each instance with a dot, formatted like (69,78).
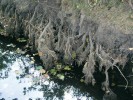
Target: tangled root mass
(62,33)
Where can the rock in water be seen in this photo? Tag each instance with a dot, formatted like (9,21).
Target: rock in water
(110,96)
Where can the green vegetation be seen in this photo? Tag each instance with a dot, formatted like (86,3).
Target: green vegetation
(60,70)
(21,40)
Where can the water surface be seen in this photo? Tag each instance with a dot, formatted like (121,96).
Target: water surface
(19,80)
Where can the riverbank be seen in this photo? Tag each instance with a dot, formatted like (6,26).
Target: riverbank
(72,33)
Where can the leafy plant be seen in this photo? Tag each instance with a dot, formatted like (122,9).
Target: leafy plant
(39,68)
(61,76)
(53,71)
(21,40)
(67,68)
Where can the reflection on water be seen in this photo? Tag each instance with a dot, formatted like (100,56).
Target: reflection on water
(19,80)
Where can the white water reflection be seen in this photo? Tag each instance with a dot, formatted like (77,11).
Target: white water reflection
(12,88)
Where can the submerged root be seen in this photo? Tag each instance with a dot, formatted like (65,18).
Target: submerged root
(122,76)
(88,70)
(105,60)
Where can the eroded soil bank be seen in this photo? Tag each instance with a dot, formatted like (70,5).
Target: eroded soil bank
(95,35)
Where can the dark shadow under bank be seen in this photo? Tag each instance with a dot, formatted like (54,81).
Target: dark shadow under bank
(122,94)
(117,82)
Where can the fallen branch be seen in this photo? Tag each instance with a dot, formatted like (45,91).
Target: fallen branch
(124,86)
(122,76)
